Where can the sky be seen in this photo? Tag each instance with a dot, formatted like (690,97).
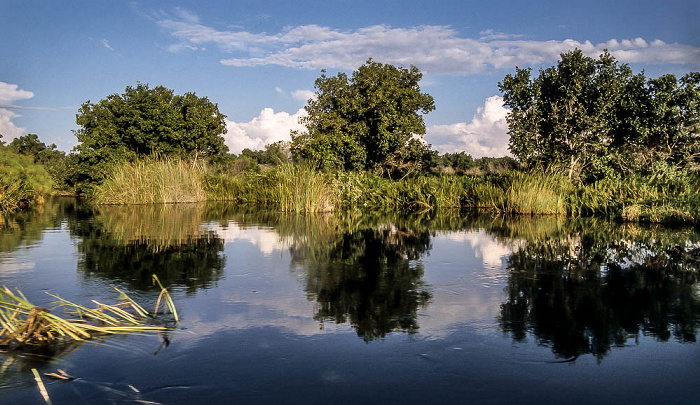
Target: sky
(257,60)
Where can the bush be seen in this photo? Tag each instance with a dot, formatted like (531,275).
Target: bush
(23,183)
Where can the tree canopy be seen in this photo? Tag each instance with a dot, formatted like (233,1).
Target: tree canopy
(145,121)
(596,118)
(366,121)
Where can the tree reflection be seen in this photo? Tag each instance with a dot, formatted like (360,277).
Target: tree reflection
(371,278)
(27,227)
(359,268)
(129,244)
(587,291)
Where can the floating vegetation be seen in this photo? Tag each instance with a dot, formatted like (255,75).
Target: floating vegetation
(25,325)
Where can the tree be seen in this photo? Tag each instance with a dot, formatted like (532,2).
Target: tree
(30,145)
(674,130)
(596,118)
(366,121)
(144,121)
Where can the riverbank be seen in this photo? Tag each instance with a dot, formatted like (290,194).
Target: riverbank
(302,189)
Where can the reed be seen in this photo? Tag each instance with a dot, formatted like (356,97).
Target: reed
(536,193)
(300,188)
(640,199)
(26,325)
(286,187)
(153,180)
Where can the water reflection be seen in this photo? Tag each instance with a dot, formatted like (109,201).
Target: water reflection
(361,270)
(589,287)
(130,244)
(26,228)
(371,278)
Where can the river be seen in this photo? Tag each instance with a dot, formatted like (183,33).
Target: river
(361,307)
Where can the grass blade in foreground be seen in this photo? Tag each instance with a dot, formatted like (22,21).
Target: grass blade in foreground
(26,325)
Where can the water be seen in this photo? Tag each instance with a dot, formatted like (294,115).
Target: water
(363,308)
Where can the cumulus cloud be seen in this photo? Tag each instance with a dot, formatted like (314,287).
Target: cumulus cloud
(9,94)
(268,127)
(435,49)
(485,135)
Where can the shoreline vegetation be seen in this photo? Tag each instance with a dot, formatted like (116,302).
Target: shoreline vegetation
(301,188)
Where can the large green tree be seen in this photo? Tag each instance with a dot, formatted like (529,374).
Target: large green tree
(144,121)
(594,117)
(366,121)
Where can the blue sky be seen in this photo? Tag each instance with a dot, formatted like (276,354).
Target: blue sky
(258,59)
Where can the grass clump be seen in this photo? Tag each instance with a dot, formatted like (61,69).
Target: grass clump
(25,325)
(153,180)
(286,187)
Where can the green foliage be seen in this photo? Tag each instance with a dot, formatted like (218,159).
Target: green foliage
(286,187)
(366,121)
(462,163)
(53,160)
(640,199)
(595,118)
(142,122)
(274,154)
(23,183)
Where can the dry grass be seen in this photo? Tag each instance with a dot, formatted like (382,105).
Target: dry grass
(25,325)
(153,181)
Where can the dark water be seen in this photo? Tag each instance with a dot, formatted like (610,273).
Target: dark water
(363,308)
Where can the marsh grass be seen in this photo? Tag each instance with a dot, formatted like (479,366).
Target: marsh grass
(287,188)
(537,193)
(25,325)
(639,199)
(153,180)
(301,188)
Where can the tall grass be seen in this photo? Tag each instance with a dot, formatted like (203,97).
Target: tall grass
(635,199)
(536,192)
(287,187)
(301,188)
(153,181)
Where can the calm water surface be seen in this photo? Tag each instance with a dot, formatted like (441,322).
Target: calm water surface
(363,308)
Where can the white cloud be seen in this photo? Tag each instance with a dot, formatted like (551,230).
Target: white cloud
(435,49)
(105,44)
(303,95)
(300,95)
(268,127)
(485,135)
(9,93)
